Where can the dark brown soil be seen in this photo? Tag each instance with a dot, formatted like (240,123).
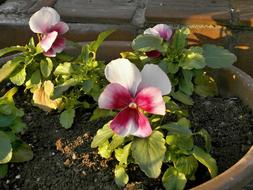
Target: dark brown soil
(63,159)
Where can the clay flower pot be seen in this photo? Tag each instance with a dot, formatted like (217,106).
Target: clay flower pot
(231,81)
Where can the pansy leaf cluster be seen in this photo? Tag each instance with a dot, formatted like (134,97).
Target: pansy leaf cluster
(139,134)
(80,77)
(33,66)
(57,80)
(12,148)
(184,64)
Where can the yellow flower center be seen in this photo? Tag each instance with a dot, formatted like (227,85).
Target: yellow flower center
(133,105)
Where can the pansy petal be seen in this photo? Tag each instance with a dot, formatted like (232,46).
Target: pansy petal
(58,44)
(114,96)
(43,20)
(48,40)
(152,31)
(50,53)
(131,122)
(164,31)
(123,72)
(153,75)
(153,53)
(150,100)
(60,27)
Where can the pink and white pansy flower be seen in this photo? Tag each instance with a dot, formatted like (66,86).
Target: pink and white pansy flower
(133,93)
(161,30)
(46,22)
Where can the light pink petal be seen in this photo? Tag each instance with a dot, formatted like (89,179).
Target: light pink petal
(60,27)
(150,100)
(59,44)
(152,31)
(123,72)
(48,40)
(153,75)
(43,20)
(164,30)
(131,122)
(114,96)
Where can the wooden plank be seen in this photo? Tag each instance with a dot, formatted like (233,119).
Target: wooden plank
(109,11)
(244,10)
(189,12)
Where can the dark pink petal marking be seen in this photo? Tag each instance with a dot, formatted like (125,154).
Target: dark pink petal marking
(59,44)
(114,96)
(153,54)
(150,100)
(131,122)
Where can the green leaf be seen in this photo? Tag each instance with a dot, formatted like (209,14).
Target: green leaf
(121,177)
(184,143)
(184,122)
(168,66)
(179,40)
(18,126)
(117,140)
(22,153)
(5,148)
(7,69)
(9,95)
(185,83)
(206,159)
(180,96)
(46,67)
(173,67)
(172,107)
(60,89)
(173,179)
(64,69)
(11,49)
(132,56)
(104,150)
(87,85)
(194,59)
(187,165)
(3,170)
(145,43)
(218,57)
(67,118)
(18,77)
(205,85)
(122,154)
(6,120)
(101,37)
(34,81)
(6,108)
(175,128)
(149,153)
(98,113)
(102,135)
(205,135)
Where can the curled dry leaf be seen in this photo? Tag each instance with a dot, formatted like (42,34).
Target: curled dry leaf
(41,97)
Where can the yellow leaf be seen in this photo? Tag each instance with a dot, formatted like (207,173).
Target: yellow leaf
(41,97)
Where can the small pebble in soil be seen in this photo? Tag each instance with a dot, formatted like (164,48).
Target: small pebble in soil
(18,177)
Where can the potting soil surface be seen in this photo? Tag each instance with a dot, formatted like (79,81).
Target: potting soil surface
(63,159)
